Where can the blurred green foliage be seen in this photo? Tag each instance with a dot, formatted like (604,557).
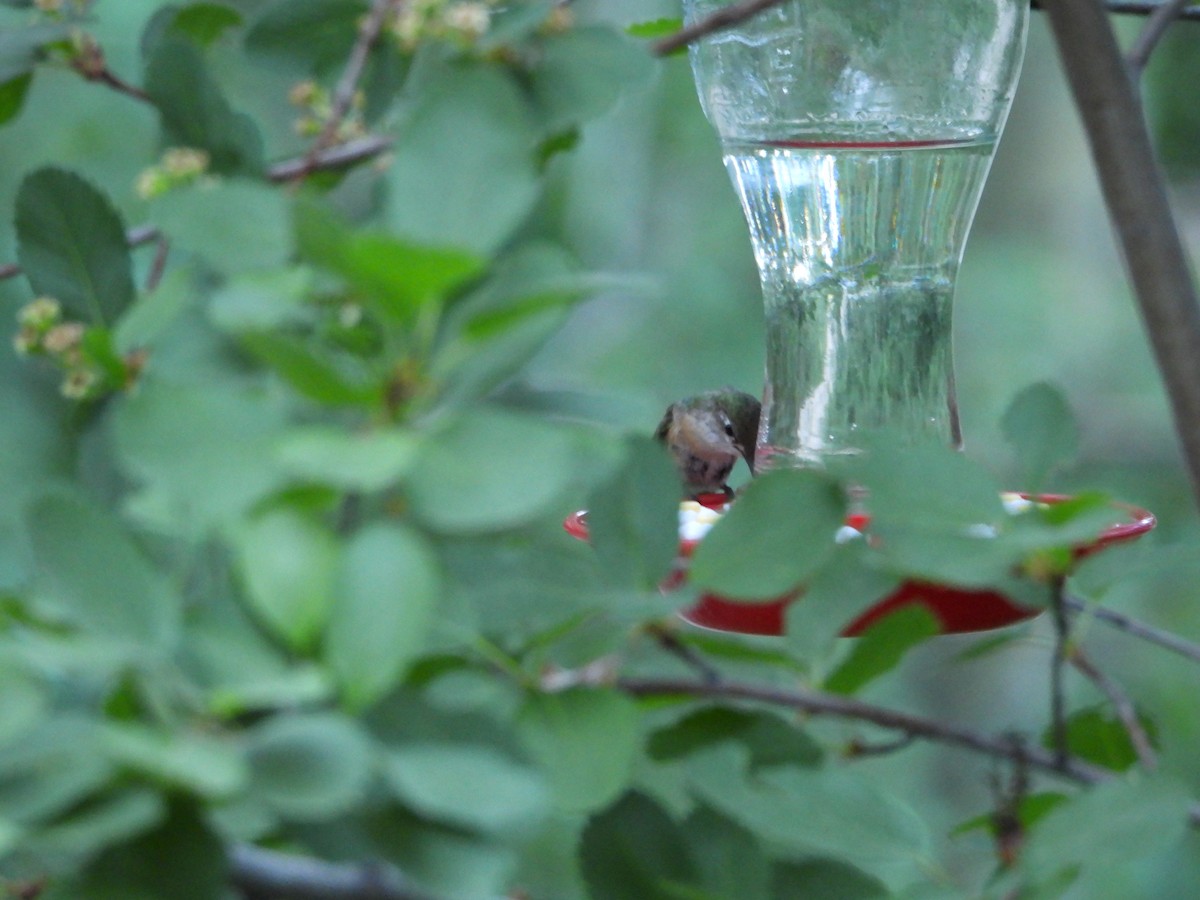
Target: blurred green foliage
(281,487)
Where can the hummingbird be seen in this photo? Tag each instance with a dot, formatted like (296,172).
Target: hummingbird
(707,433)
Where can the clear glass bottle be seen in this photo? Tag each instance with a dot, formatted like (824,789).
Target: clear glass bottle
(858,137)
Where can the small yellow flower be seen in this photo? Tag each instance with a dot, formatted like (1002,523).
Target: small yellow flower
(561,19)
(40,313)
(152,182)
(303,93)
(469,20)
(64,338)
(27,341)
(78,384)
(185,162)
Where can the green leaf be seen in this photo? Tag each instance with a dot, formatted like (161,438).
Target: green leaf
(51,769)
(534,277)
(769,739)
(655,28)
(1108,827)
(1032,809)
(400,276)
(1041,428)
(881,647)
(197,763)
(261,301)
(102,823)
(23,702)
(404,277)
(309,767)
(585,741)
(777,534)
(826,878)
(845,816)
(89,571)
(927,486)
(633,518)
(464,175)
(72,245)
(582,72)
(388,586)
(489,470)
(730,860)
(309,35)
(207,451)
(147,320)
(233,225)
(203,23)
(12,96)
(516,22)
(288,563)
(838,594)
(1097,735)
(196,114)
(471,786)
(634,850)
(22,48)
(471,370)
(365,461)
(312,370)
(936,514)
(182,859)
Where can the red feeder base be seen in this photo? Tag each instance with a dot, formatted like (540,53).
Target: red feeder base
(957,609)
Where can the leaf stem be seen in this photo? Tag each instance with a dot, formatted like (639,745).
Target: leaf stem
(347,86)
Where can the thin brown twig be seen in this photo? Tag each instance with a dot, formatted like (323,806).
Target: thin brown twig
(108,77)
(1062,634)
(735,13)
(338,157)
(1131,626)
(269,874)
(135,237)
(1152,32)
(1136,8)
(159,265)
(347,86)
(817,703)
(1122,705)
(89,61)
(857,747)
(725,17)
(669,641)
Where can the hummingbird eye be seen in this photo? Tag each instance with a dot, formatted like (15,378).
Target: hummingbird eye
(728,427)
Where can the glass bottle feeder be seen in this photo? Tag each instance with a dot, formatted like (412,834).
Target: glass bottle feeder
(858,137)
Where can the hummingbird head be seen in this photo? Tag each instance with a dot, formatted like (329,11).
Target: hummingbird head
(707,433)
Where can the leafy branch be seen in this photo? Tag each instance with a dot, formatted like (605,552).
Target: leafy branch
(817,703)
(347,87)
